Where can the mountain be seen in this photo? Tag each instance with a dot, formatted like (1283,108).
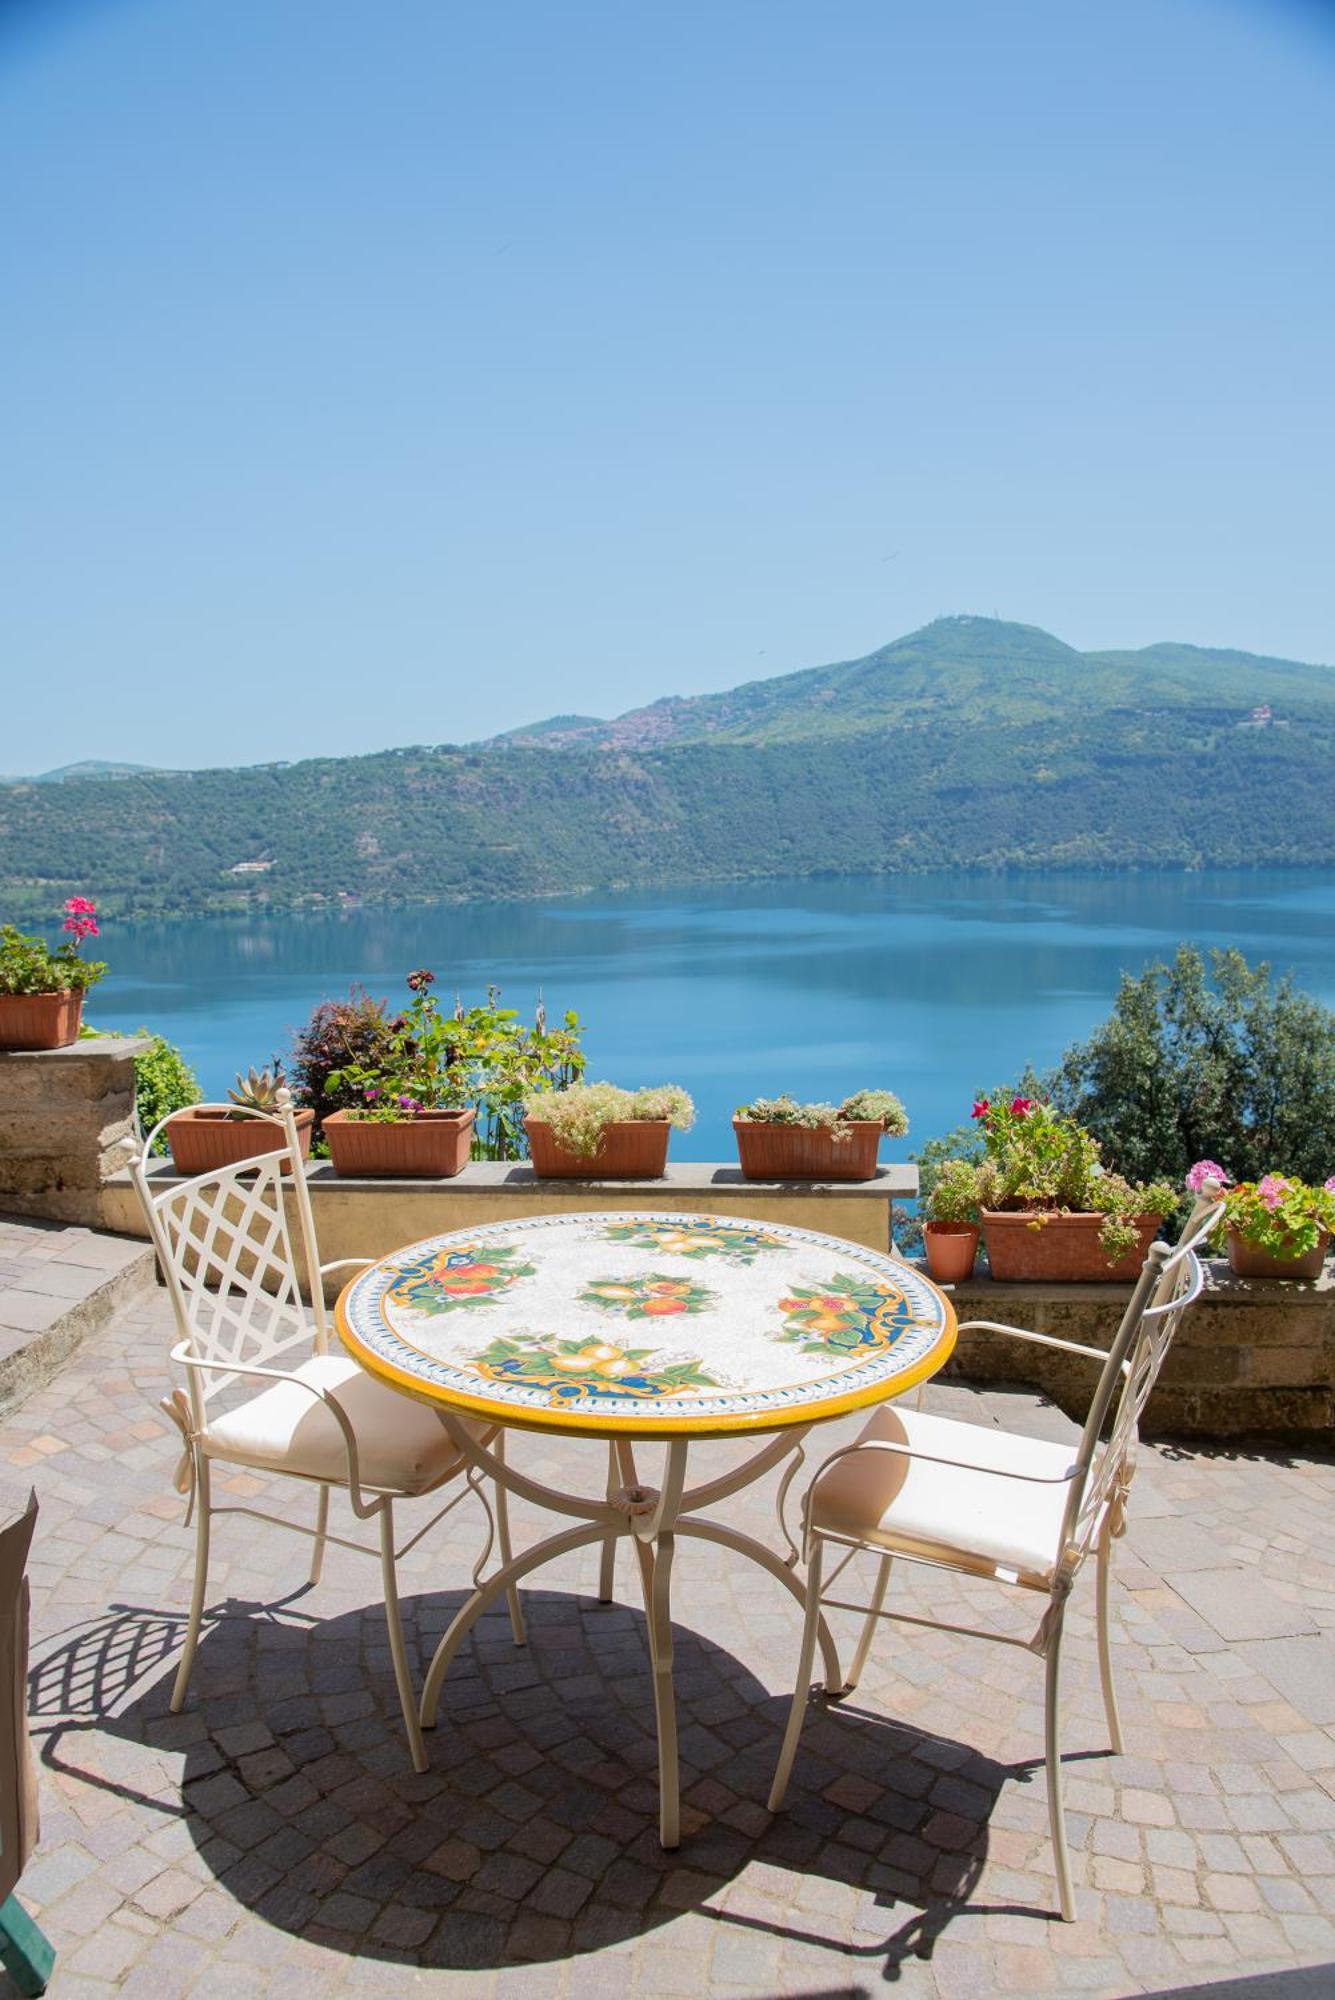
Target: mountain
(964,669)
(91,767)
(972,743)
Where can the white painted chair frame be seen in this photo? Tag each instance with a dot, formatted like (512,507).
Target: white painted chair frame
(230,1226)
(1098,1480)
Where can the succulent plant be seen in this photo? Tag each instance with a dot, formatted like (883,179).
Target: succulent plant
(258,1090)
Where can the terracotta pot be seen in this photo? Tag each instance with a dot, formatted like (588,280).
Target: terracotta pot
(951,1250)
(428,1146)
(40,1020)
(807,1153)
(1247,1260)
(201,1141)
(1065,1248)
(631,1149)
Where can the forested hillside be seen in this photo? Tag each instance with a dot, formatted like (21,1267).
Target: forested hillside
(996,752)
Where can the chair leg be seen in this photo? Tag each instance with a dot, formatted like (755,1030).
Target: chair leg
(805,1661)
(201,1584)
(1105,1642)
(869,1627)
(507,1551)
(321,1530)
(398,1652)
(1052,1752)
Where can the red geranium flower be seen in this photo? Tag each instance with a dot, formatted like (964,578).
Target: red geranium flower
(981,1107)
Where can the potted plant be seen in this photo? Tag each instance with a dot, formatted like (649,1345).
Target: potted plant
(41,990)
(403,1123)
(781,1140)
(1056,1211)
(598,1131)
(1279,1227)
(204,1137)
(951,1207)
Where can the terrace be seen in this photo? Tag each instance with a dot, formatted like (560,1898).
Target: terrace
(273,1835)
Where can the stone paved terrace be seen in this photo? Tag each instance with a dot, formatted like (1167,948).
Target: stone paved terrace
(274,1838)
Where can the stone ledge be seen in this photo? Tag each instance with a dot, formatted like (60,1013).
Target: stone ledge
(92,1048)
(57,1286)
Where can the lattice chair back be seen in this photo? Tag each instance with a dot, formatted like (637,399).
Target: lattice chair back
(231,1261)
(1170,1280)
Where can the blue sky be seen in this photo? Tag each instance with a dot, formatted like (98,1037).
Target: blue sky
(397,373)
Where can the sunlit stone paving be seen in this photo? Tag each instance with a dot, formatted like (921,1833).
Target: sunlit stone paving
(273,1838)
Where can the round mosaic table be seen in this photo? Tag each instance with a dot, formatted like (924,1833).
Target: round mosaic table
(633,1327)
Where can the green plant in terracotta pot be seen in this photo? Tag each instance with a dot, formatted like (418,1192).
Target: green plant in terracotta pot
(405,1119)
(42,987)
(779,1139)
(951,1211)
(598,1129)
(1279,1227)
(1057,1211)
(205,1137)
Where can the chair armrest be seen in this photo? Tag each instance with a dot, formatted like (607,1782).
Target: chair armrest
(341,1263)
(935,1458)
(1024,1333)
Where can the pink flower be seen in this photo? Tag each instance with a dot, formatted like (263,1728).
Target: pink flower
(1022,1106)
(1203,1171)
(1329,1185)
(1271,1191)
(981,1107)
(80,906)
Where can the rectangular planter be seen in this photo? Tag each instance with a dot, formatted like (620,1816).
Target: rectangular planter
(429,1145)
(40,1020)
(631,1149)
(1247,1260)
(1063,1249)
(203,1140)
(806,1153)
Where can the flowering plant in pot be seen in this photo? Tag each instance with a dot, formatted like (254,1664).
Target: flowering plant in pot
(951,1209)
(598,1129)
(1279,1227)
(1056,1210)
(41,989)
(779,1139)
(404,1118)
(204,1137)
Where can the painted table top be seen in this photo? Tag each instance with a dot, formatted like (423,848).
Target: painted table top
(645,1324)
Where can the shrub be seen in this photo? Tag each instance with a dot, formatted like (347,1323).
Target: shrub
(356,1031)
(1223,1063)
(163,1080)
(579,1114)
(960,1190)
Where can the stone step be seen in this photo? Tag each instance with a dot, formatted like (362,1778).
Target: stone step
(59,1283)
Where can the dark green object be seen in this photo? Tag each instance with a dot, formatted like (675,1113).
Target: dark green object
(25,1951)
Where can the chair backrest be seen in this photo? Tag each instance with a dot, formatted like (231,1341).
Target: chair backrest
(18,1783)
(1170,1280)
(229,1258)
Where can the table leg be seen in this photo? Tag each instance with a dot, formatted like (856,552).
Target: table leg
(607,1567)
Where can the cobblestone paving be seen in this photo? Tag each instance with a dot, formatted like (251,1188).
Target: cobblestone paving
(273,1838)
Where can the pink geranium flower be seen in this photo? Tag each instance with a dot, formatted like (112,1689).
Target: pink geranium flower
(1203,1171)
(1272,1190)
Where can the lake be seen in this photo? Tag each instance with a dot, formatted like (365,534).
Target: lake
(931,986)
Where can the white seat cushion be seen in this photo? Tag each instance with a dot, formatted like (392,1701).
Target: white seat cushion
(949,1513)
(402,1446)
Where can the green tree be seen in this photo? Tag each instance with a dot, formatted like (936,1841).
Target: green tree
(1198,1063)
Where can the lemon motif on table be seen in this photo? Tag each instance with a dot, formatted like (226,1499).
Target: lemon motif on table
(570,1369)
(849,1316)
(696,1240)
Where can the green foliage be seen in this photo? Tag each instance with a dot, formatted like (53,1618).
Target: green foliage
(28,964)
(971,744)
(961,1189)
(1282,1216)
(879,1106)
(423,1059)
(580,1113)
(1224,1064)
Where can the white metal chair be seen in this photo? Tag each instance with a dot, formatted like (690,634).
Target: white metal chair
(990,1503)
(231,1267)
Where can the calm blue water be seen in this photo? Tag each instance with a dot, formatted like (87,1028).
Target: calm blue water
(929,986)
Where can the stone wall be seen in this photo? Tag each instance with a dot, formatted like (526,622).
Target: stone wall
(66,1126)
(1253,1359)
